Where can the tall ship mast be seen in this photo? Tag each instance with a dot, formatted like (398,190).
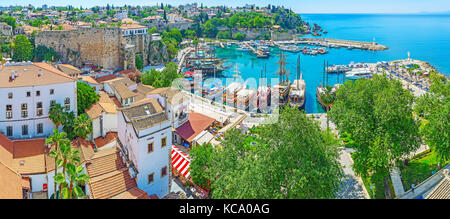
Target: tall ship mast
(297,94)
(230,94)
(281,90)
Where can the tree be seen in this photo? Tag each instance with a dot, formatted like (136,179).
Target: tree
(200,169)
(56,114)
(328,97)
(239,36)
(56,139)
(288,158)
(66,155)
(23,50)
(86,96)
(378,116)
(433,108)
(82,126)
(139,62)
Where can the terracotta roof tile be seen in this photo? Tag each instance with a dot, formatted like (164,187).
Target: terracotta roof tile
(102,141)
(195,125)
(28,75)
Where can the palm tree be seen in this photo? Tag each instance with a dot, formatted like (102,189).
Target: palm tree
(56,139)
(67,155)
(76,177)
(82,126)
(56,114)
(328,97)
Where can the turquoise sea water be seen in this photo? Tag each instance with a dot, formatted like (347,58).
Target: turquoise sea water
(426,37)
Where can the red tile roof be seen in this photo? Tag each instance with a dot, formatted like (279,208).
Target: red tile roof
(102,141)
(106,78)
(110,177)
(197,123)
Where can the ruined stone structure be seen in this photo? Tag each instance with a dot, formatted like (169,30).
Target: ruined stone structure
(106,47)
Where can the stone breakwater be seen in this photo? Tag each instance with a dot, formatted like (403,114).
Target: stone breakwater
(340,43)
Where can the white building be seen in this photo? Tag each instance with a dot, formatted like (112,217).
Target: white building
(27,90)
(133,29)
(121,14)
(145,131)
(103,115)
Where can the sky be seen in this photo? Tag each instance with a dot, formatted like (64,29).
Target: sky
(299,6)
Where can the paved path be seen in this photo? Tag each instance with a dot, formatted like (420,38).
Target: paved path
(397,182)
(352,187)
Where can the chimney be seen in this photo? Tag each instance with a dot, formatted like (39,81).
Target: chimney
(40,73)
(12,75)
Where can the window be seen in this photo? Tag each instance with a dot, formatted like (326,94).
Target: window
(150,148)
(39,110)
(24,129)
(38,93)
(52,91)
(9,131)
(28,93)
(40,128)
(10,95)
(9,113)
(164,142)
(150,178)
(163,171)
(24,110)
(52,102)
(67,104)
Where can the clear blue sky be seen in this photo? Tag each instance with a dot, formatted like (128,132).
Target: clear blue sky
(300,6)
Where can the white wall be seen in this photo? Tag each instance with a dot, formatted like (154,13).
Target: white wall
(61,91)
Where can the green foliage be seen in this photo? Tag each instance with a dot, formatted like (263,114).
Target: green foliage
(139,62)
(82,126)
(23,50)
(43,53)
(158,79)
(86,96)
(10,21)
(56,114)
(172,38)
(434,110)
(37,22)
(378,116)
(239,36)
(290,158)
(224,35)
(200,169)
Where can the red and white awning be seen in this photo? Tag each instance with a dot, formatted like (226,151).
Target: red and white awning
(180,161)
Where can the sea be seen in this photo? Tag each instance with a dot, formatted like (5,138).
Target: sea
(425,37)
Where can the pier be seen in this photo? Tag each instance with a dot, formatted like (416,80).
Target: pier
(337,43)
(255,51)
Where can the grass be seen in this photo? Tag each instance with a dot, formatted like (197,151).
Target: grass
(420,168)
(377,189)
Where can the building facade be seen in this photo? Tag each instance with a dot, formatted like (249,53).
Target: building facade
(27,90)
(145,131)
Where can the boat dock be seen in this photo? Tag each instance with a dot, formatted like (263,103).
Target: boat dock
(255,51)
(335,43)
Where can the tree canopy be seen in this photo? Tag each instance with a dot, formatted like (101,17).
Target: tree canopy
(434,110)
(289,158)
(86,96)
(378,116)
(23,50)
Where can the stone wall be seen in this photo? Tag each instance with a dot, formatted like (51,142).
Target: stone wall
(100,46)
(105,47)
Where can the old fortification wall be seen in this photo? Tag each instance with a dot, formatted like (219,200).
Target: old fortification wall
(100,46)
(105,47)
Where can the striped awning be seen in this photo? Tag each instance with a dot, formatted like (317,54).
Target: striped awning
(180,161)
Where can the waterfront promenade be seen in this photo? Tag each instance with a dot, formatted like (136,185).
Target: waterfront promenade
(325,42)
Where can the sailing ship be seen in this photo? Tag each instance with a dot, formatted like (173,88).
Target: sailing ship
(298,88)
(263,93)
(280,91)
(230,94)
